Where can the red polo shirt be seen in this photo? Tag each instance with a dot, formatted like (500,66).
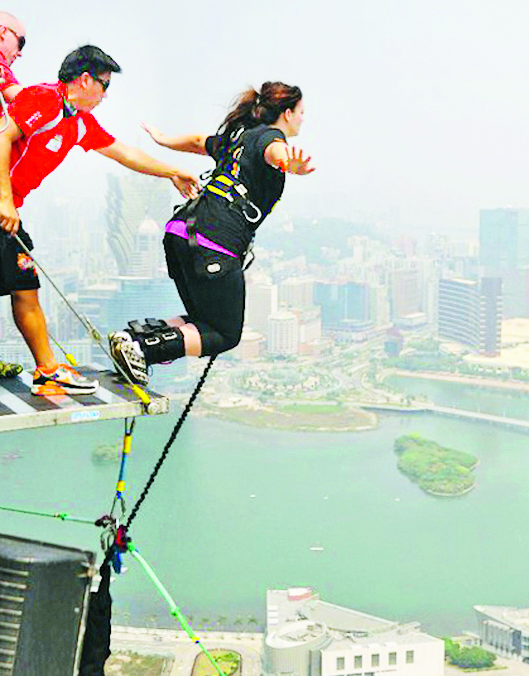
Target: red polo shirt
(50,128)
(6,74)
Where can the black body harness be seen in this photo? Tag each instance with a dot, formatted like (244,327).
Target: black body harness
(224,184)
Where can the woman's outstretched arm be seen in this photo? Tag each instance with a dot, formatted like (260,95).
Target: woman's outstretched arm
(280,155)
(192,143)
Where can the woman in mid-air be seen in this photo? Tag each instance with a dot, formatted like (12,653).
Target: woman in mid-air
(208,237)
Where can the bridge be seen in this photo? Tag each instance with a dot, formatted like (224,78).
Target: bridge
(474,416)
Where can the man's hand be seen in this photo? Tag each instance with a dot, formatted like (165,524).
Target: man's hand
(9,218)
(187,184)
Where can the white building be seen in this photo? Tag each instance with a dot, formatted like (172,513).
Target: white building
(261,302)
(297,292)
(250,346)
(504,630)
(283,334)
(309,637)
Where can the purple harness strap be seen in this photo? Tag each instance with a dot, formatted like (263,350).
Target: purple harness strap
(179,228)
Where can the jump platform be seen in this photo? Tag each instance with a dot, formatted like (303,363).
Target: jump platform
(19,409)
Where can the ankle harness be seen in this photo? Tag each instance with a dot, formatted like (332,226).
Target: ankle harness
(159,341)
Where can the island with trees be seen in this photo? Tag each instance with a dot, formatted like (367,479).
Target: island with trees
(436,469)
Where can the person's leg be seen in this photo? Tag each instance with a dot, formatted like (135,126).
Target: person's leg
(49,377)
(31,323)
(214,303)
(192,340)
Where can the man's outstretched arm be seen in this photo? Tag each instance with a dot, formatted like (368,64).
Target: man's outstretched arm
(137,160)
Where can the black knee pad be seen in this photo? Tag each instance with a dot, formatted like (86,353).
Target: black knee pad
(159,341)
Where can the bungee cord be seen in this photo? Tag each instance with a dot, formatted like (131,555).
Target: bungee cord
(170,442)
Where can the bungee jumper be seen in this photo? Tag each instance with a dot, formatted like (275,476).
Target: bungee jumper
(44,123)
(208,239)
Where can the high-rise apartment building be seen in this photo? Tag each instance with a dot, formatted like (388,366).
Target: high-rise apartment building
(470,313)
(261,302)
(283,334)
(405,293)
(343,302)
(504,238)
(297,292)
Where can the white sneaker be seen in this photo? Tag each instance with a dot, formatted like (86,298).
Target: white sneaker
(128,354)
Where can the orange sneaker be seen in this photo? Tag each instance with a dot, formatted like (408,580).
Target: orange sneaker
(64,380)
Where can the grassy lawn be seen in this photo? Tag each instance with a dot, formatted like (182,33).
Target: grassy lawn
(228,660)
(300,417)
(333,407)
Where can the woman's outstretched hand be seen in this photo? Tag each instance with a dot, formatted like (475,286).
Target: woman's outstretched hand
(155,134)
(296,163)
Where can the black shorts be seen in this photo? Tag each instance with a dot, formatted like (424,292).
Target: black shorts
(211,286)
(17,269)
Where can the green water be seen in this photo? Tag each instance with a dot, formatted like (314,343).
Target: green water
(389,549)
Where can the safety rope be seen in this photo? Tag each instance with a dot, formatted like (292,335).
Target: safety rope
(125,452)
(174,609)
(63,516)
(169,443)
(71,359)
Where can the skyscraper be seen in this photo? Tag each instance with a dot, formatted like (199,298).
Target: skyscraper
(504,253)
(130,199)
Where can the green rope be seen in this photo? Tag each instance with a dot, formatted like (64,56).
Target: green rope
(175,610)
(63,516)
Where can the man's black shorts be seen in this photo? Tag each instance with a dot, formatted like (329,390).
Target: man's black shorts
(17,269)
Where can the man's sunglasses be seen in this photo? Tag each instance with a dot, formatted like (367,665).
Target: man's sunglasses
(104,83)
(21,38)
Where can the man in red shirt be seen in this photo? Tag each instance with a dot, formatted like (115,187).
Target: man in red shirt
(44,123)
(12,41)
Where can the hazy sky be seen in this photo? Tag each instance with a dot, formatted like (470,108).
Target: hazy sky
(417,112)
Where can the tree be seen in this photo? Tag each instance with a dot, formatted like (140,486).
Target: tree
(221,621)
(475,657)
(468,656)
(204,622)
(152,620)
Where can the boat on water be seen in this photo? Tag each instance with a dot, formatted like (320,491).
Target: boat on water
(11,456)
(316,548)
